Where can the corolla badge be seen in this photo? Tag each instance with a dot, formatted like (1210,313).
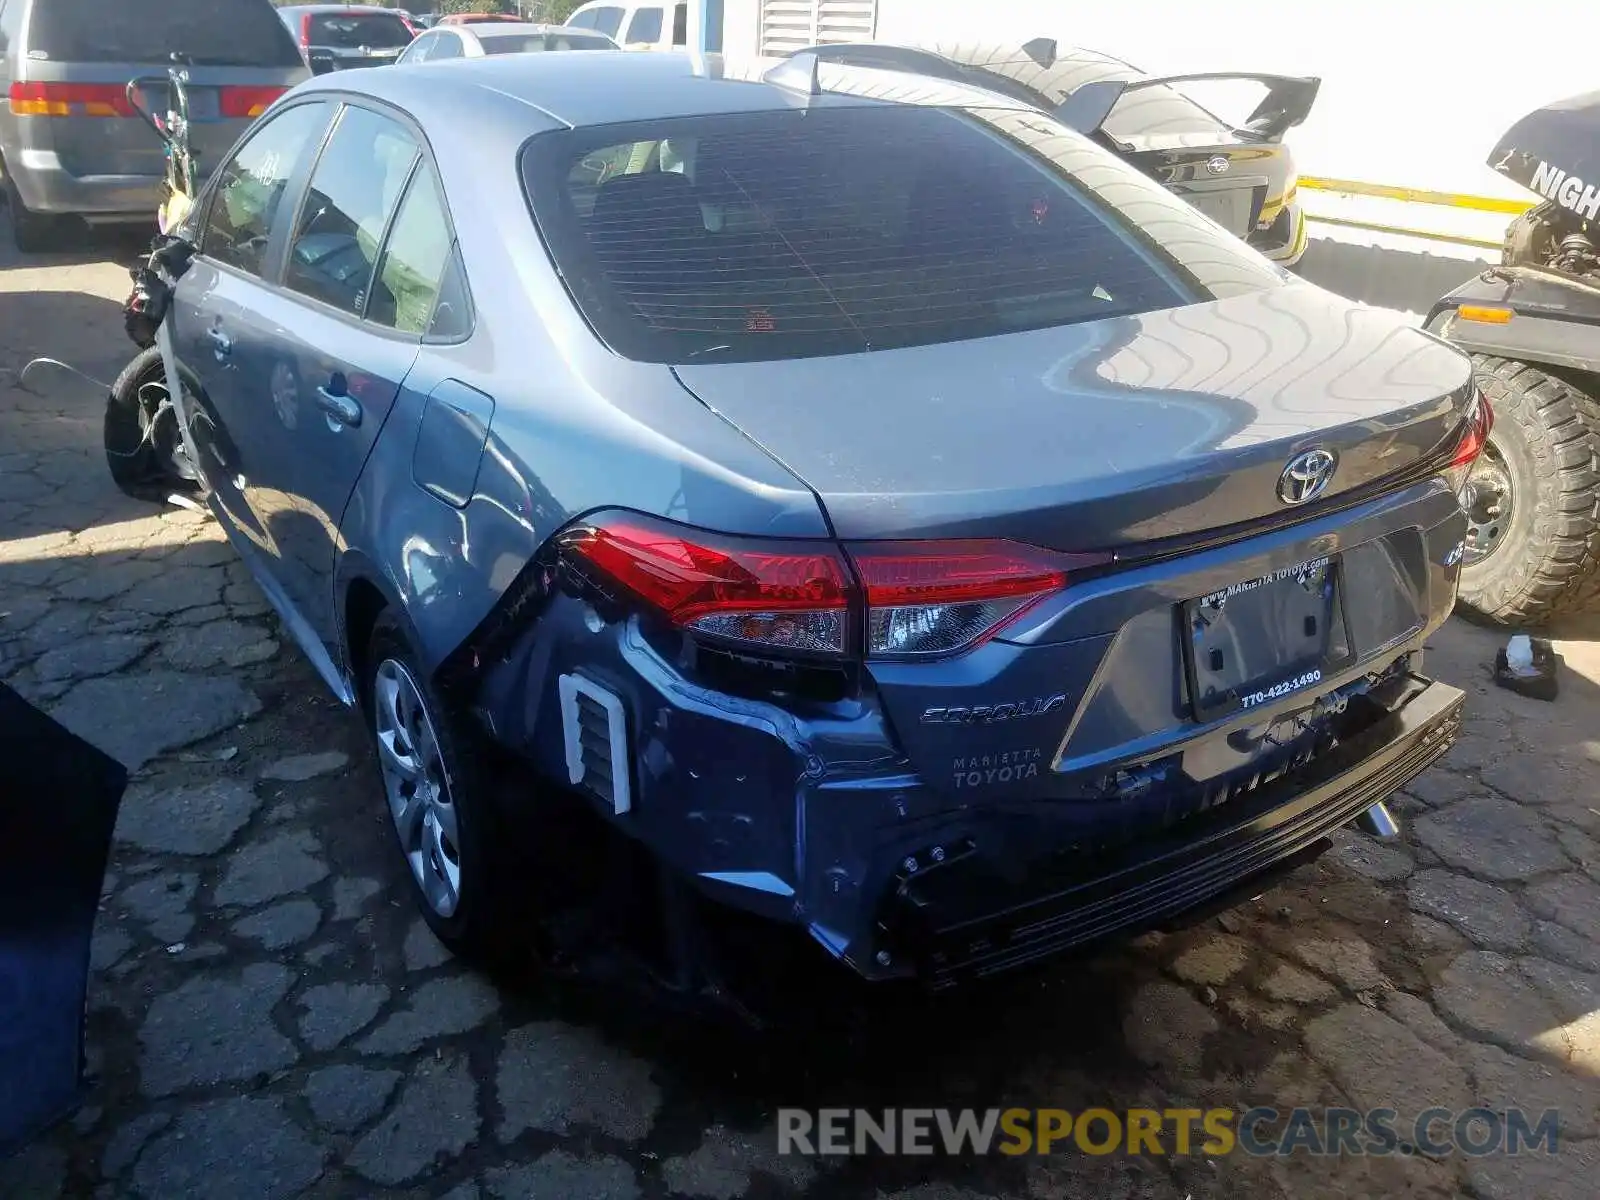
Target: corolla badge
(993,714)
(1217,164)
(1307,476)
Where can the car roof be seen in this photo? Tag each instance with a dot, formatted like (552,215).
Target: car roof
(613,87)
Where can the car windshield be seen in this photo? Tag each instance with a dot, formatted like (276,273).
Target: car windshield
(788,234)
(244,33)
(352,31)
(528,43)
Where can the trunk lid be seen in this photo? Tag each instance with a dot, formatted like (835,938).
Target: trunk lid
(1102,434)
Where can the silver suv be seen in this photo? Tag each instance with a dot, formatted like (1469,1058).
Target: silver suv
(71,144)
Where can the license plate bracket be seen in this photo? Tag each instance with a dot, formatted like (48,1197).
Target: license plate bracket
(1265,638)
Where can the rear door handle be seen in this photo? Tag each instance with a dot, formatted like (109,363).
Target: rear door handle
(221,343)
(340,408)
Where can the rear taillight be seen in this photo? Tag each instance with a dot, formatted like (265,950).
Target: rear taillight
(248,101)
(305,29)
(886,600)
(1480,421)
(70,100)
(793,597)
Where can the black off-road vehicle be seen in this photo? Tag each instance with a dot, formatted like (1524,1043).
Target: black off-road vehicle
(1532,325)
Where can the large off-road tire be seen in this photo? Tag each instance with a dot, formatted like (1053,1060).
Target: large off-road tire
(443,816)
(143,450)
(1538,557)
(33,233)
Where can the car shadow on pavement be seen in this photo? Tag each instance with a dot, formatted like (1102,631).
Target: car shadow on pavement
(79,243)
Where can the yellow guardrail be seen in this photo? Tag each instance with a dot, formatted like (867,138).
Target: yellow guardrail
(1386,191)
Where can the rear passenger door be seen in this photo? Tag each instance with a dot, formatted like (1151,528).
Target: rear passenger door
(361,274)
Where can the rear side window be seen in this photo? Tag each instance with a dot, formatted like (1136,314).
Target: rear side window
(531,43)
(243,33)
(352,31)
(645,26)
(355,188)
(414,260)
(786,234)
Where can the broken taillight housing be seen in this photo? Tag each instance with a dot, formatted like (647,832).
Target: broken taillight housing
(1474,437)
(806,598)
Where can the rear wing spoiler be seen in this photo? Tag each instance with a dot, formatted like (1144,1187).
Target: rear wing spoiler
(1288,101)
(1287,104)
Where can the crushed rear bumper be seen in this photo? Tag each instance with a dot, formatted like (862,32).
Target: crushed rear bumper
(968,915)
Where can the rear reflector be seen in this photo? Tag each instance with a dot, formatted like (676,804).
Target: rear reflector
(909,599)
(70,100)
(249,102)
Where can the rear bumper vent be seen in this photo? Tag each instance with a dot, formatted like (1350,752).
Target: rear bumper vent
(595,728)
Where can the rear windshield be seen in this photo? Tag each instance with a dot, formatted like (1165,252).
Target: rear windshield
(786,234)
(244,33)
(528,43)
(352,31)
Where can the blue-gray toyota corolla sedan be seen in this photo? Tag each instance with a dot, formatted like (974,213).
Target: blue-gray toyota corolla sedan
(896,514)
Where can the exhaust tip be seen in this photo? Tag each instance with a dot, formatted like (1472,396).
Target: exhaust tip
(1378,822)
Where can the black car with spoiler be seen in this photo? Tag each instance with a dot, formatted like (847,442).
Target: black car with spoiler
(1241,176)
(1532,324)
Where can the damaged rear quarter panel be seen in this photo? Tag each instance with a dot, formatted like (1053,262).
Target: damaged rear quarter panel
(574,429)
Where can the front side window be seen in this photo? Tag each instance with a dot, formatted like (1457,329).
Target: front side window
(645,26)
(414,259)
(250,186)
(356,186)
(789,234)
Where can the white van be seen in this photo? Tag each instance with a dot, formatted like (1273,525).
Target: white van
(662,25)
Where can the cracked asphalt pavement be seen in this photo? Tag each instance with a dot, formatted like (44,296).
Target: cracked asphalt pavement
(267,1018)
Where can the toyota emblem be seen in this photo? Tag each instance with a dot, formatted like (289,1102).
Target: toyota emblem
(1307,476)
(1217,164)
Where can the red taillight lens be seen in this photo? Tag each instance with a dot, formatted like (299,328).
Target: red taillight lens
(1480,421)
(786,596)
(248,102)
(910,599)
(931,598)
(305,29)
(70,100)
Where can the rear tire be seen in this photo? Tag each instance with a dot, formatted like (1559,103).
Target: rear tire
(1544,560)
(32,233)
(441,813)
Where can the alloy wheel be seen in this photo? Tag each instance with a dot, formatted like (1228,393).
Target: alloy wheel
(417,787)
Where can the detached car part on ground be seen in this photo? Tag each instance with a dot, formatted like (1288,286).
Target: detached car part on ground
(1242,177)
(897,515)
(1533,327)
